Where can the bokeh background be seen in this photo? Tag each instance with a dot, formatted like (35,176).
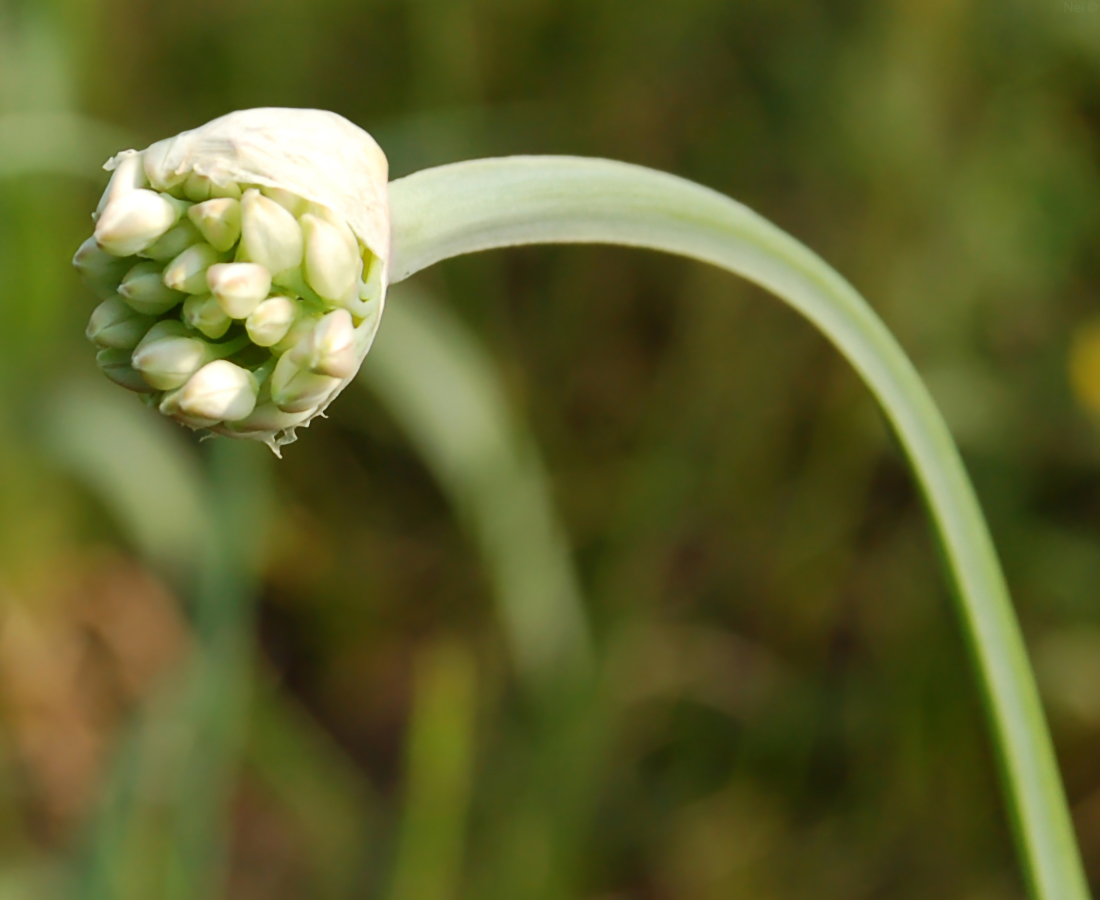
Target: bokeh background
(608,581)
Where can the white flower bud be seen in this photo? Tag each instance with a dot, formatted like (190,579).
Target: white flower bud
(101,271)
(115,364)
(239,287)
(219,390)
(173,242)
(270,235)
(128,176)
(187,272)
(169,406)
(332,262)
(203,313)
(219,221)
(131,222)
(332,347)
(116,325)
(269,322)
(280,164)
(167,357)
(294,388)
(143,288)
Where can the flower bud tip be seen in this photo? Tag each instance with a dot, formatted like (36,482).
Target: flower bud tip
(294,388)
(332,346)
(115,364)
(116,325)
(219,220)
(143,288)
(131,222)
(173,242)
(127,176)
(239,287)
(101,271)
(269,322)
(203,313)
(270,235)
(332,261)
(166,362)
(187,272)
(220,391)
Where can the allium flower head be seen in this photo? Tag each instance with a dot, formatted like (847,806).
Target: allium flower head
(242,268)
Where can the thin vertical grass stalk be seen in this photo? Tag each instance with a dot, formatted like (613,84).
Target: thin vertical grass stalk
(466,207)
(440,386)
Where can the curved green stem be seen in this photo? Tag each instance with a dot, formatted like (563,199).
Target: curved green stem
(443,212)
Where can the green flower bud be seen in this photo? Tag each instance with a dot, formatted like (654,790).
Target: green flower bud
(144,289)
(239,287)
(294,388)
(219,221)
(291,202)
(332,346)
(220,391)
(230,189)
(203,313)
(128,176)
(332,262)
(173,242)
(116,325)
(115,364)
(199,188)
(299,331)
(269,322)
(196,188)
(101,271)
(266,419)
(167,357)
(187,272)
(131,222)
(270,236)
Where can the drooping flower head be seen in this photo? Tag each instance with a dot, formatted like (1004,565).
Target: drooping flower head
(242,268)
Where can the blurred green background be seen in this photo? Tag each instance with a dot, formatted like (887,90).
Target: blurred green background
(610,581)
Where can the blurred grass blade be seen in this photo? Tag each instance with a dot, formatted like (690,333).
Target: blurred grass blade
(127,457)
(324,792)
(439,765)
(162,830)
(180,757)
(221,682)
(441,387)
(466,207)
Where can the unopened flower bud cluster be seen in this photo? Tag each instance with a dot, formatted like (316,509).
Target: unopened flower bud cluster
(237,307)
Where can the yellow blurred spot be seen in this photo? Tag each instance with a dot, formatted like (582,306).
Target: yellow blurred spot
(1084,365)
(1067,663)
